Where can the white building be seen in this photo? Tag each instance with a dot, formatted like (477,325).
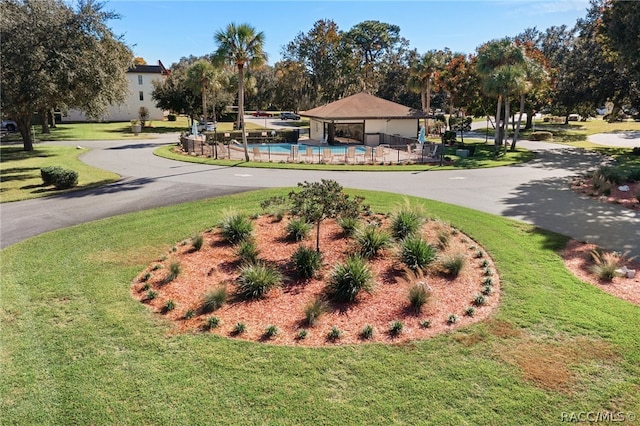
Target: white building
(140,88)
(362,118)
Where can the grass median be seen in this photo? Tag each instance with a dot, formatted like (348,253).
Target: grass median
(77,348)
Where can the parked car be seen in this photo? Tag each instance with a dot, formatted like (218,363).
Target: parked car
(9,125)
(209,126)
(262,114)
(574,117)
(289,116)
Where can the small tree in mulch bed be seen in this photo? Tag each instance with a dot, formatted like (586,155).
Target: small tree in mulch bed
(317,201)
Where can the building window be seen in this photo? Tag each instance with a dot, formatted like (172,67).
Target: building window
(141,94)
(140,80)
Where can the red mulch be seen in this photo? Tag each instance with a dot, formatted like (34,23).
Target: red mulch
(216,264)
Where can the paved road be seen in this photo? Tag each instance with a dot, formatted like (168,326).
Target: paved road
(536,192)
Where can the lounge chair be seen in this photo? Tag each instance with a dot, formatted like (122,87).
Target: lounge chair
(308,155)
(293,154)
(327,156)
(351,155)
(256,154)
(368,155)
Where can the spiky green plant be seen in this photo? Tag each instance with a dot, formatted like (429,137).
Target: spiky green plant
(235,227)
(297,229)
(407,220)
(247,251)
(307,261)
(417,253)
(256,280)
(314,310)
(349,225)
(349,278)
(453,264)
(196,242)
(371,240)
(419,295)
(213,300)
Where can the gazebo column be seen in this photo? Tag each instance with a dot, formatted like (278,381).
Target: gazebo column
(331,137)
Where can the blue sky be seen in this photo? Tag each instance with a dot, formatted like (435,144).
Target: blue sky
(169,30)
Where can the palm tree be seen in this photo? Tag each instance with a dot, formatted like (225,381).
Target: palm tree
(501,67)
(420,75)
(240,46)
(201,77)
(536,76)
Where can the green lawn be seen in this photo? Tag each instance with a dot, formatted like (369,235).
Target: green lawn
(575,133)
(115,130)
(20,171)
(78,349)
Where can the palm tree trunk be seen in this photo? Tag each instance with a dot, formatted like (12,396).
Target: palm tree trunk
(497,138)
(517,132)
(506,120)
(241,109)
(428,104)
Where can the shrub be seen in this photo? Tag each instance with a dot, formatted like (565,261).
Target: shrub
(270,331)
(487,272)
(174,271)
(235,227)
(416,253)
(156,267)
(239,328)
(487,290)
(297,229)
(247,251)
(302,334)
(212,322)
(349,278)
(171,117)
(406,221)
(453,318)
(146,277)
(371,240)
(488,281)
(605,264)
(443,239)
(484,263)
(189,314)
(334,334)
(151,295)
(58,177)
(256,280)
(419,295)
(196,242)
(145,286)
(307,261)
(367,332)
(452,265)
(479,300)
(213,300)
(314,310)
(396,328)
(470,311)
(170,305)
(425,323)
(540,136)
(349,225)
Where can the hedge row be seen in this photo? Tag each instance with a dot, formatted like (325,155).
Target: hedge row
(541,136)
(59,177)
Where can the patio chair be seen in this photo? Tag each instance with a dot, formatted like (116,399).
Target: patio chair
(368,155)
(380,154)
(308,155)
(327,156)
(351,155)
(293,154)
(256,154)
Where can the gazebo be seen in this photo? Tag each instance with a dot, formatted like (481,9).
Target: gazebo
(363,119)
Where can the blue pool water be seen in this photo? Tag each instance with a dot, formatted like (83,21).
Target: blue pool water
(285,148)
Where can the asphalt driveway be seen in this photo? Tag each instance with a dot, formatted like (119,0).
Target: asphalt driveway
(536,192)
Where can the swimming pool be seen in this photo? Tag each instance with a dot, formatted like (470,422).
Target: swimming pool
(285,148)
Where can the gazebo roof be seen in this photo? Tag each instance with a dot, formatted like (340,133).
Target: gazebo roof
(363,106)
